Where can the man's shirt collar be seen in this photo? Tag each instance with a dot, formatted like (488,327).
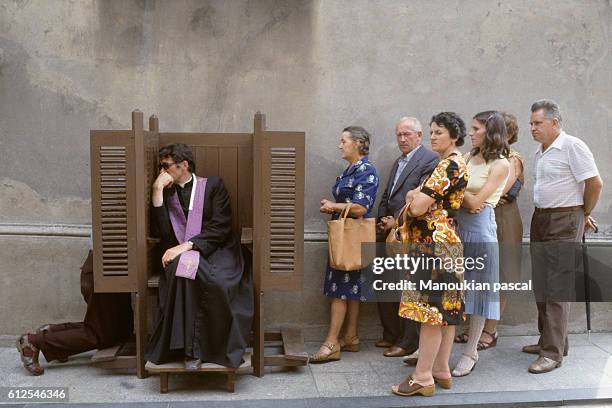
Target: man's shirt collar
(557,144)
(406,157)
(185,183)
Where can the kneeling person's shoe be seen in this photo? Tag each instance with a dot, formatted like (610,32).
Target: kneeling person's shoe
(543,365)
(29,355)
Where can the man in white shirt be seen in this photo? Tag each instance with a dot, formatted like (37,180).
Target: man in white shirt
(567,188)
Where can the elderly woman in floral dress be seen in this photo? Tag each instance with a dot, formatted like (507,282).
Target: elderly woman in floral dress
(356,186)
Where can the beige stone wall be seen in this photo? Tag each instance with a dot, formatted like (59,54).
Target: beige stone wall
(316,66)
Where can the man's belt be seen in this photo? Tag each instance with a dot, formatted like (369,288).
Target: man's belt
(559,209)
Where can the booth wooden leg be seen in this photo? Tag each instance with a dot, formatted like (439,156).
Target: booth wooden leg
(231,381)
(140,324)
(257,360)
(163,383)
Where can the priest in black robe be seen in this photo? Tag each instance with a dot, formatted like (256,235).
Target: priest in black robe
(204,316)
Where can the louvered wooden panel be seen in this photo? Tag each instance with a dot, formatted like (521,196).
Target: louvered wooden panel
(111,189)
(282,209)
(113,207)
(278,212)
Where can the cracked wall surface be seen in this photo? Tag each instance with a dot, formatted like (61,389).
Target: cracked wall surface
(316,66)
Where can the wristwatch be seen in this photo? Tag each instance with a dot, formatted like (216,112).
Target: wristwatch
(192,245)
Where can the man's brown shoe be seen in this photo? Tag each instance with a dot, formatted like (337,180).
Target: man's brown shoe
(397,351)
(535,349)
(543,365)
(532,349)
(383,344)
(411,361)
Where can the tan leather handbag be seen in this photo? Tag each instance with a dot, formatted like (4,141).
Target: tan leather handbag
(398,240)
(345,236)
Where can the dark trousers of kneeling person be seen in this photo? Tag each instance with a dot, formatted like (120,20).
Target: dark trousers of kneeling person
(108,321)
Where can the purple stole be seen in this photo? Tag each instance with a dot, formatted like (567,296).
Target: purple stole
(185,229)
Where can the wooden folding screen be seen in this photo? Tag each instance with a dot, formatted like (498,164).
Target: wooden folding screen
(278,216)
(122,172)
(263,172)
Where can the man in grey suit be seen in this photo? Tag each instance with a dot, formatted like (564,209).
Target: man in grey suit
(415,165)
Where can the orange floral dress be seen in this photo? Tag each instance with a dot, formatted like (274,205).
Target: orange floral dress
(433,235)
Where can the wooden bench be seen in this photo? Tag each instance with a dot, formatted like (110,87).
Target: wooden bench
(263,172)
(164,370)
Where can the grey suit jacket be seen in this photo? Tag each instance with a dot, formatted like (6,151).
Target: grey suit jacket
(418,169)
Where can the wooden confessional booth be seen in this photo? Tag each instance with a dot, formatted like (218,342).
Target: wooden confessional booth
(263,172)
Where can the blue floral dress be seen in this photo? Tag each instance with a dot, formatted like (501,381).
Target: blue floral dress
(358,184)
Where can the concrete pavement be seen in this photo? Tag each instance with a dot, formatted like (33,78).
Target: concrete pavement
(359,379)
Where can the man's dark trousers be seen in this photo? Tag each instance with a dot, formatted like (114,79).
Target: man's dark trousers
(555,257)
(402,332)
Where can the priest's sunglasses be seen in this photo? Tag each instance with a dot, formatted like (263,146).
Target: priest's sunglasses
(166,166)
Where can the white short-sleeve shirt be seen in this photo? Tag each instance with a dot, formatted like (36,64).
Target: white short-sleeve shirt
(560,172)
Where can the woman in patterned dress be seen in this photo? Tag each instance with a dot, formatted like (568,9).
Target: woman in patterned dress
(432,227)
(357,185)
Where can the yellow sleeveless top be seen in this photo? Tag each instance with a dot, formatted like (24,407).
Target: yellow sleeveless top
(479,174)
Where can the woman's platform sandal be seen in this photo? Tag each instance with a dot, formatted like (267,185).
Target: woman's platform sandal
(351,344)
(410,387)
(446,383)
(333,355)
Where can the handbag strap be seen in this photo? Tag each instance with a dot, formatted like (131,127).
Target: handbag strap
(346,210)
(403,215)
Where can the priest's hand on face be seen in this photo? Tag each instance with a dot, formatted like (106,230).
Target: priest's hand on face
(173,252)
(163,180)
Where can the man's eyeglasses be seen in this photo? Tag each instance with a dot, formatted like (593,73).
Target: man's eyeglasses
(165,166)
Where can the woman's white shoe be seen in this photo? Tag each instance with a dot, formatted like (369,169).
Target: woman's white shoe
(465,365)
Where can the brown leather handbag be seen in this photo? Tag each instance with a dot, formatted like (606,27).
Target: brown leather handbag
(345,236)
(398,240)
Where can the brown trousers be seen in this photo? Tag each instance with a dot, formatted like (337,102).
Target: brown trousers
(108,321)
(554,259)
